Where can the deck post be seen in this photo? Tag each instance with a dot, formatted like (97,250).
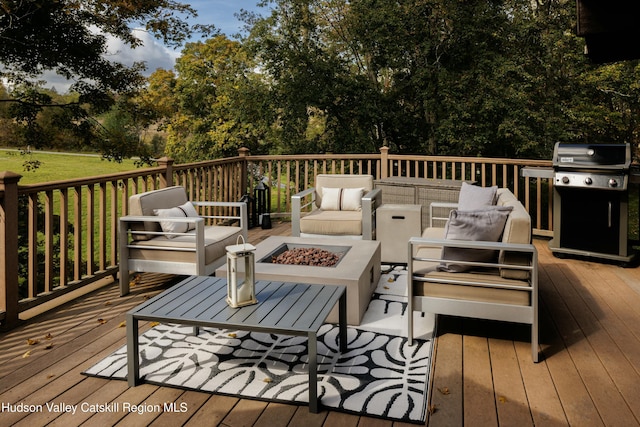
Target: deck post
(166,180)
(384,162)
(9,294)
(244,153)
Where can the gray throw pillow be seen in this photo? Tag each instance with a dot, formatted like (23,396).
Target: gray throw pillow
(480,225)
(472,197)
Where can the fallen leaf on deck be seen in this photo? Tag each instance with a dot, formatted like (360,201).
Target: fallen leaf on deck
(32,341)
(152,324)
(102,321)
(122,324)
(432,409)
(48,346)
(48,337)
(27,354)
(444,390)
(502,399)
(108,303)
(50,376)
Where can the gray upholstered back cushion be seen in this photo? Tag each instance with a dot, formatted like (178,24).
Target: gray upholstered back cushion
(516,230)
(472,197)
(144,204)
(481,225)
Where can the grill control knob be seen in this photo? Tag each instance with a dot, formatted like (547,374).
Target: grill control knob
(565,179)
(588,180)
(613,182)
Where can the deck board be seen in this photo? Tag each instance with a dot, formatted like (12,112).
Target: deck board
(482,375)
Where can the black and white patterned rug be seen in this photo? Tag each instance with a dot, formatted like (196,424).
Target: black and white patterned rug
(379,375)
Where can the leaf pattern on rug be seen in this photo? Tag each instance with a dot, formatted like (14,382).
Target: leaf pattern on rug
(378,375)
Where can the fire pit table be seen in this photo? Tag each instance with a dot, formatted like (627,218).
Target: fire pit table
(358,268)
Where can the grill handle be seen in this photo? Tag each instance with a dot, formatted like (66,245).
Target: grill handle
(610,208)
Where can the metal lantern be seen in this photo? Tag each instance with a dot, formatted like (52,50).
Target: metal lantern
(241,258)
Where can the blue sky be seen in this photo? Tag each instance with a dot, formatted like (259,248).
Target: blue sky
(221,13)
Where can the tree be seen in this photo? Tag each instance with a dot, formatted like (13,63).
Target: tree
(323,102)
(215,104)
(69,37)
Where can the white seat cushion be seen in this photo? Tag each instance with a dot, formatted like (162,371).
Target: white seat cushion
(333,223)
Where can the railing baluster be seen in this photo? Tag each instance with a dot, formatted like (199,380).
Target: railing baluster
(77,233)
(64,232)
(89,232)
(48,245)
(102,225)
(33,246)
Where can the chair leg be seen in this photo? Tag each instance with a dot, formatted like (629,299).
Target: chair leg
(410,321)
(535,353)
(124,280)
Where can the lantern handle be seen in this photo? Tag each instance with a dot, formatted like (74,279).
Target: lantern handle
(240,236)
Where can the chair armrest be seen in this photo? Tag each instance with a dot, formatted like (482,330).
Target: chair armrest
(242,216)
(125,220)
(370,203)
(297,206)
(531,267)
(440,205)
(473,244)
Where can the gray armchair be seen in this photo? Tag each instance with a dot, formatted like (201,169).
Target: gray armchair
(341,206)
(165,233)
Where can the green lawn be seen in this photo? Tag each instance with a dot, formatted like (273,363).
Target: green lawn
(59,166)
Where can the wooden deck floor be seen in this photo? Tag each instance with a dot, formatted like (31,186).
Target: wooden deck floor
(483,376)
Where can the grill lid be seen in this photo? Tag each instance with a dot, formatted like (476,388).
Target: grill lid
(592,156)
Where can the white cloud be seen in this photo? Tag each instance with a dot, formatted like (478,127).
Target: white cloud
(153,53)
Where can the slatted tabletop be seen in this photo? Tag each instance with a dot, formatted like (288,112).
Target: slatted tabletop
(282,308)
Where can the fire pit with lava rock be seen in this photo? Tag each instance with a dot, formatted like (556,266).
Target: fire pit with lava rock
(315,257)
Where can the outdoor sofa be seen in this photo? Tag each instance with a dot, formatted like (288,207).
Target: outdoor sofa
(481,264)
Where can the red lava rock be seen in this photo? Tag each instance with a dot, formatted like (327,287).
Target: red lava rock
(307,256)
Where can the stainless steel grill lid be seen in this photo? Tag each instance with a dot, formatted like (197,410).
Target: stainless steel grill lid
(613,157)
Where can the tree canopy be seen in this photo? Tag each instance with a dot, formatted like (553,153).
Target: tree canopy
(69,37)
(504,78)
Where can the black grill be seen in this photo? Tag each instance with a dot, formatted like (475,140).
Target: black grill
(590,199)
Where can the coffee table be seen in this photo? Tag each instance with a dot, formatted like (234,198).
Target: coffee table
(358,270)
(283,308)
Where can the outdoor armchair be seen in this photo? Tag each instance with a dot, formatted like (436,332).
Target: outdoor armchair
(165,233)
(341,206)
(482,277)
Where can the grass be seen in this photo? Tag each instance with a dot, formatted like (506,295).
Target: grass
(64,166)
(59,166)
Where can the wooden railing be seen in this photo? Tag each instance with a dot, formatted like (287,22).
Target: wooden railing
(60,236)
(291,174)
